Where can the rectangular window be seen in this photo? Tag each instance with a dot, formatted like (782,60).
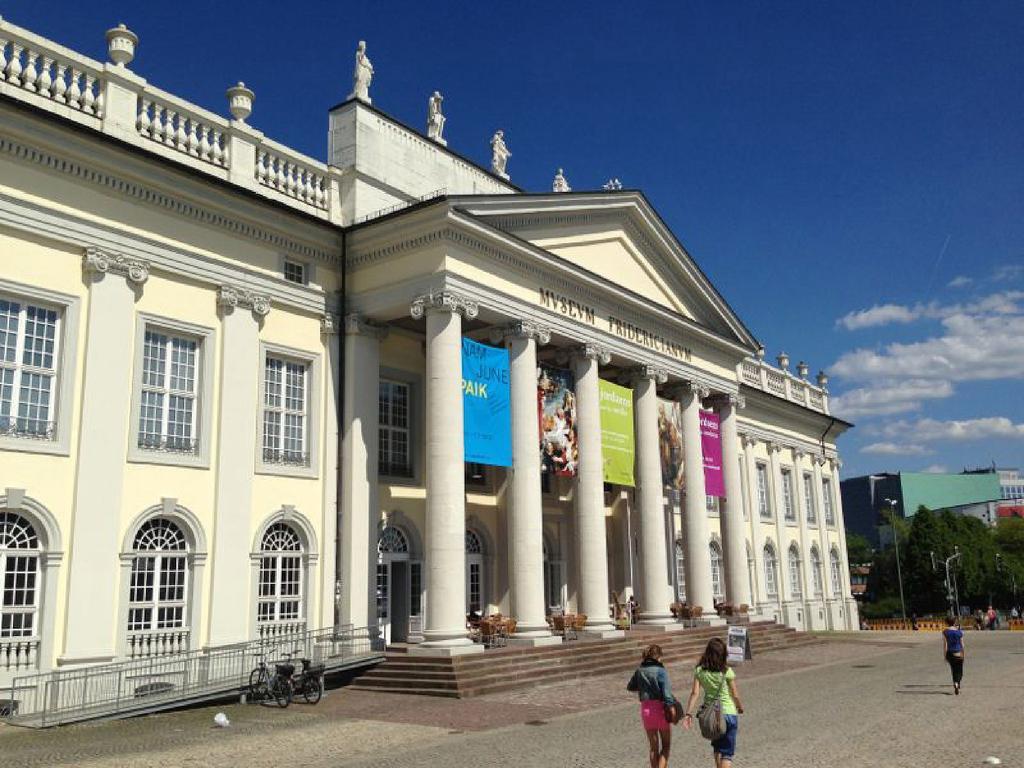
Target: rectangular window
(285,406)
(826,496)
(169,407)
(812,513)
(393,420)
(763,507)
(415,589)
(295,272)
(18,596)
(787,495)
(29,337)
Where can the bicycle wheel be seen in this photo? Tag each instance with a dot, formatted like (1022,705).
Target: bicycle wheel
(281,690)
(258,684)
(312,689)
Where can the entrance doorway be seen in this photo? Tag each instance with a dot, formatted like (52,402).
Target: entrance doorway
(397,577)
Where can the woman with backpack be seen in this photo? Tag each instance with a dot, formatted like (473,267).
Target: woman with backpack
(650,682)
(718,716)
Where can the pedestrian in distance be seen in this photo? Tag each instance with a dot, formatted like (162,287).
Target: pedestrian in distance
(650,682)
(953,650)
(991,618)
(717,680)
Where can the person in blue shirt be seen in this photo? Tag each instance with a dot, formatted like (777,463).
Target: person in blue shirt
(651,684)
(953,650)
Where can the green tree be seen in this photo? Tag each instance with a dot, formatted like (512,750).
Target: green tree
(858,548)
(924,588)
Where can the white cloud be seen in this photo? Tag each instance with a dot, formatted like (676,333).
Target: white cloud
(888,396)
(960,281)
(880,314)
(896,449)
(1008,272)
(936,469)
(935,430)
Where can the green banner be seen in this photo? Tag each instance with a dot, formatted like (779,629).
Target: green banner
(617,433)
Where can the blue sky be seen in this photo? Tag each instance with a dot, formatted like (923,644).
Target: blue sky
(850,175)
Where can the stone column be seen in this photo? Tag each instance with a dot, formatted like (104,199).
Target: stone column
(91,625)
(445,540)
(760,595)
(591,548)
(807,571)
(231,598)
(359,513)
(778,506)
(698,555)
(656,590)
(526,514)
(851,614)
(737,584)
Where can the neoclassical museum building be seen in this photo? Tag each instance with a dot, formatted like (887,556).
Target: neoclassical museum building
(244,391)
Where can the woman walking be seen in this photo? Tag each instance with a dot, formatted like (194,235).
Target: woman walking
(650,682)
(718,681)
(953,650)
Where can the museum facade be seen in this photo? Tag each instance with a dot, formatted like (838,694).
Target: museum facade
(233,390)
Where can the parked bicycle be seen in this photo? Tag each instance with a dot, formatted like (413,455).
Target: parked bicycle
(264,685)
(310,682)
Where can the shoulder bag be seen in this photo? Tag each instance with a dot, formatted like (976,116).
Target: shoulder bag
(710,716)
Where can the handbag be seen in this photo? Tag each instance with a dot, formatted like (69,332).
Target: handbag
(710,716)
(673,712)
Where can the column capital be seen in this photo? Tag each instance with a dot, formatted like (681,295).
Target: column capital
(689,387)
(748,439)
(230,297)
(354,324)
(835,463)
(820,461)
(721,399)
(799,453)
(774,446)
(647,371)
(590,351)
(443,301)
(98,262)
(521,329)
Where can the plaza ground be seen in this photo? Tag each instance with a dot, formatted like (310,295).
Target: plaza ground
(869,699)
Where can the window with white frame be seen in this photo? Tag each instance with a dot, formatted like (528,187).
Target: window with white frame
(295,272)
(812,512)
(712,505)
(393,415)
(816,577)
(169,404)
(717,588)
(836,572)
(474,572)
(280,578)
(826,495)
(680,571)
(156,593)
(29,355)
(771,584)
(794,572)
(285,411)
(787,495)
(763,506)
(19,569)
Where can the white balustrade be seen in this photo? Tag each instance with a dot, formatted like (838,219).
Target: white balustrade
(750,373)
(295,178)
(49,72)
(273,630)
(758,374)
(161,642)
(776,383)
(18,653)
(181,129)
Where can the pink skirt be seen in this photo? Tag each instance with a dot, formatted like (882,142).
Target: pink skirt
(652,712)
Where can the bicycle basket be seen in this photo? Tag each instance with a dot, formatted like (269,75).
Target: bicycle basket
(285,670)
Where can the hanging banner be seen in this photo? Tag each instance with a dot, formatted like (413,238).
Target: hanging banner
(670,440)
(711,447)
(486,404)
(617,447)
(556,414)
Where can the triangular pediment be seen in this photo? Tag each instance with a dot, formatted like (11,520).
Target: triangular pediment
(620,238)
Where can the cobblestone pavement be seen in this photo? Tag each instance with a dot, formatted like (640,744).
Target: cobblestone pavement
(870,699)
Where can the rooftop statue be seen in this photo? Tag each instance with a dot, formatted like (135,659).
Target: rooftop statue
(362,76)
(499,154)
(435,119)
(560,184)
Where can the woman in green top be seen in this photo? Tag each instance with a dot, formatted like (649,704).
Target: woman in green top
(718,680)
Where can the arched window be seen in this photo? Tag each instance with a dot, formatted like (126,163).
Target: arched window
(716,571)
(392,540)
(159,580)
(836,572)
(794,572)
(816,580)
(680,571)
(474,572)
(19,568)
(280,585)
(473,544)
(771,584)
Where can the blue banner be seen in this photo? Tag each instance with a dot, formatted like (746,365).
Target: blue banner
(486,404)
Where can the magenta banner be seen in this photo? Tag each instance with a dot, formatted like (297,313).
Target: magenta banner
(711,447)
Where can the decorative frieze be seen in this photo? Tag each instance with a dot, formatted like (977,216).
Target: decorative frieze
(444,301)
(230,298)
(98,262)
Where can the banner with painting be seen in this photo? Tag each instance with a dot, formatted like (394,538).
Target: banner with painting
(670,436)
(617,442)
(486,404)
(556,413)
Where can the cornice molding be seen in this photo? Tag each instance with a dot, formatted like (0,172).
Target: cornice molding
(230,298)
(98,262)
(443,301)
(752,433)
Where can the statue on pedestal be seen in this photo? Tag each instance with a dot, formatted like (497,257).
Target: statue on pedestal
(560,184)
(435,119)
(362,76)
(499,154)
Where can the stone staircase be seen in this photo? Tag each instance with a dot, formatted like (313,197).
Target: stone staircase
(503,669)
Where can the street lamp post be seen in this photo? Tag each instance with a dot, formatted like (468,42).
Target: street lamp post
(896,541)
(952,594)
